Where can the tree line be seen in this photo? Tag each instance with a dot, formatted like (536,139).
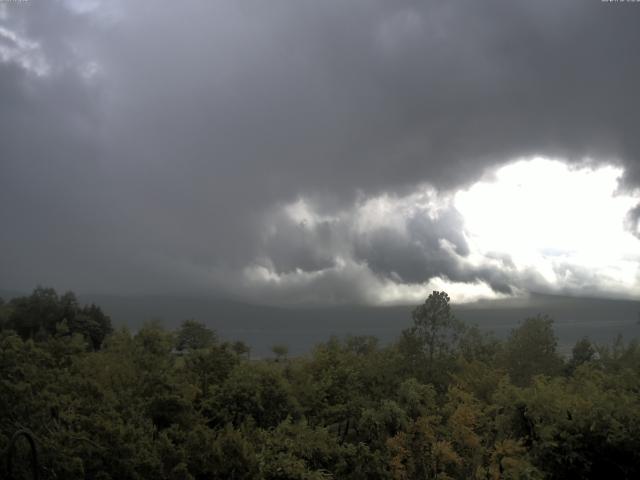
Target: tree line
(444,401)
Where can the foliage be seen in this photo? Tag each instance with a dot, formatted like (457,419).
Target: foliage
(442,402)
(531,350)
(280,351)
(434,339)
(44,312)
(194,335)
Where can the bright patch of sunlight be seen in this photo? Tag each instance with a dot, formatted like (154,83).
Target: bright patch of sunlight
(392,293)
(546,215)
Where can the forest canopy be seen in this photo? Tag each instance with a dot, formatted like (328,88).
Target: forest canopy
(444,400)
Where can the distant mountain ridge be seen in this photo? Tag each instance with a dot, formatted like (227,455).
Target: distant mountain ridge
(302,327)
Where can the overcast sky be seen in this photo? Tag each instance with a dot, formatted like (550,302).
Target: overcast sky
(332,151)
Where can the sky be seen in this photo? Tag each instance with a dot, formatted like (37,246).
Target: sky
(320,152)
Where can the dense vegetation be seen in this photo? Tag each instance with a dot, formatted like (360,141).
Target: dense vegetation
(444,401)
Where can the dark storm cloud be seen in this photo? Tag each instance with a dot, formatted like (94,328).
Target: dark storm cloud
(633,221)
(417,254)
(151,155)
(303,251)
(295,245)
(427,248)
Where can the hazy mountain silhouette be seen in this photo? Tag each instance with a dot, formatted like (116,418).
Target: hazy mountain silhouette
(301,327)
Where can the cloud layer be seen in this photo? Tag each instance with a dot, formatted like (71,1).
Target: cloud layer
(536,224)
(164,148)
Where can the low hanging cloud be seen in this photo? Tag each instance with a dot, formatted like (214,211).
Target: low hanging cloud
(529,233)
(153,148)
(633,221)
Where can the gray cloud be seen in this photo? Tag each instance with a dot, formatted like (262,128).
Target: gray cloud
(152,154)
(418,254)
(633,221)
(421,255)
(292,246)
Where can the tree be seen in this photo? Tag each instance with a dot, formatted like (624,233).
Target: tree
(211,366)
(531,350)
(152,339)
(92,323)
(194,335)
(432,339)
(435,325)
(4,314)
(257,392)
(40,311)
(280,351)
(38,317)
(349,410)
(422,452)
(583,352)
(361,344)
(240,348)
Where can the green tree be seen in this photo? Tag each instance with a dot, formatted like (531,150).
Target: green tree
(583,351)
(361,344)
(240,348)
(257,392)
(153,339)
(38,316)
(435,325)
(280,351)
(92,323)
(428,347)
(40,311)
(531,350)
(211,366)
(194,335)
(4,314)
